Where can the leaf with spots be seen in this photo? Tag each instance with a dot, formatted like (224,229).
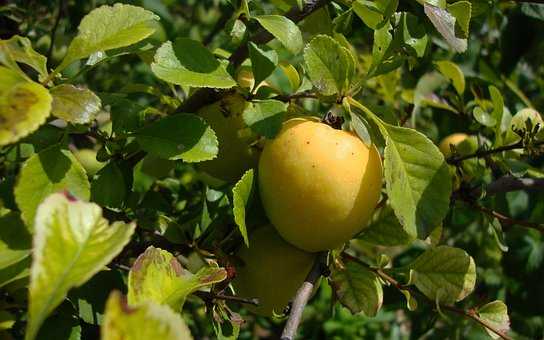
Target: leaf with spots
(183,136)
(143,322)
(158,277)
(357,288)
(72,242)
(444,274)
(24,106)
(19,49)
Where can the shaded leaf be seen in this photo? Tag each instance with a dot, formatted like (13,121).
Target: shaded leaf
(109,27)
(108,189)
(19,49)
(242,193)
(183,136)
(187,62)
(263,63)
(72,242)
(158,277)
(283,29)
(24,106)
(357,288)
(496,314)
(74,104)
(142,322)
(52,170)
(461,10)
(386,230)
(445,274)
(413,34)
(265,116)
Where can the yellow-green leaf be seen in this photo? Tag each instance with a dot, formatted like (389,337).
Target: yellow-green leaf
(75,104)
(24,106)
(18,49)
(72,242)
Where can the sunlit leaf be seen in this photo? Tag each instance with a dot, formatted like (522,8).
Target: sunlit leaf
(242,193)
(496,314)
(18,49)
(74,104)
(283,29)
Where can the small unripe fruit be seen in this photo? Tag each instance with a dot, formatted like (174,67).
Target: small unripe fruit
(519,122)
(272,271)
(453,139)
(319,186)
(236,155)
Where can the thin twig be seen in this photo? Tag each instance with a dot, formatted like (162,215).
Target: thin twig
(469,314)
(302,297)
(508,184)
(205,96)
(289,97)
(208,297)
(484,153)
(54,31)
(508,220)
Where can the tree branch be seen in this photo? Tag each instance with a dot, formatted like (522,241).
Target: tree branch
(302,297)
(469,314)
(508,184)
(483,153)
(508,220)
(205,96)
(209,297)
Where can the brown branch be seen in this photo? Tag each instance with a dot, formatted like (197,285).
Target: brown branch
(508,184)
(302,297)
(469,314)
(508,221)
(206,96)
(289,97)
(483,153)
(209,297)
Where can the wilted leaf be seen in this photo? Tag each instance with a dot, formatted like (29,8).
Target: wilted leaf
(183,136)
(242,193)
(283,29)
(74,104)
(496,314)
(357,288)
(265,116)
(109,27)
(24,106)
(329,65)
(18,49)
(444,274)
(187,62)
(72,242)
(158,277)
(143,322)
(52,170)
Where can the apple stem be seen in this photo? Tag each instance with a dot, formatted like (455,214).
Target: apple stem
(303,295)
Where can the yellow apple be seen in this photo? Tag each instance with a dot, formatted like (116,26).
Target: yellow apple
(319,186)
(236,155)
(453,139)
(272,271)
(87,158)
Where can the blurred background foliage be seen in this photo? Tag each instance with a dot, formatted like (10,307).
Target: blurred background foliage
(505,49)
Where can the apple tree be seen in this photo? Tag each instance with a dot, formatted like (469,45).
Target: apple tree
(314,169)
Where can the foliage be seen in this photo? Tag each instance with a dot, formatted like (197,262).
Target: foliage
(140,244)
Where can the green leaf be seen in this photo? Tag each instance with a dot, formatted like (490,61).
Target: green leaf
(187,62)
(263,63)
(109,188)
(413,34)
(357,288)
(15,241)
(158,277)
(109,27)
(265,116)
(418,180)
(496,314)
(382,42)
(445,274)
(533,10)
(453,73)
(52,170)
(19,49)
(183,136)
(461,10)
(292,75)
(242,193)
(283,29)
(18,270)
(142,322)
(483,117)
(386,230)
(498,103)
(444,22)
(374,13)
(329,65)
(74,104)
(24,106)
(72,242)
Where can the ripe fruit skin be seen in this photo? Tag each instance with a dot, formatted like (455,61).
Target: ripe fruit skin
(453,139)
(235,153)
(87,158)
(319,186)
(273,271)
